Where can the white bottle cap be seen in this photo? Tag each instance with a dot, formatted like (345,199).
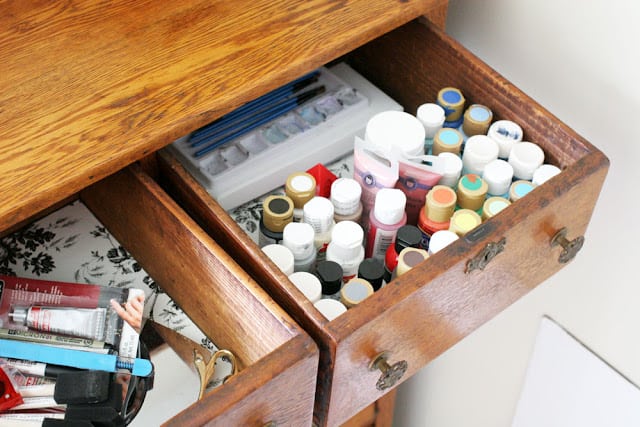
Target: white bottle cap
(298,237)
(505,133)
(345,196)
(318,212)
(440,239)
(432,118)
(498,175)
(396,129)
(389,205)
(281,256)
(346,241)
(544,173)
(330,308)
(525,157)
(452,169)
(308,284)
(478,152)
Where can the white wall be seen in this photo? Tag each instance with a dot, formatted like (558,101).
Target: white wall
(581,61)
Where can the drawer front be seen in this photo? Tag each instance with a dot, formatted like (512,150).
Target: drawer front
(420,315)
(274,354)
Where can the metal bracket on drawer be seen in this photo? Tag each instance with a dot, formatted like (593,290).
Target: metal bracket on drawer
(485,256)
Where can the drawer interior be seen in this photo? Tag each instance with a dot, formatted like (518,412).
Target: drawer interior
(435,305)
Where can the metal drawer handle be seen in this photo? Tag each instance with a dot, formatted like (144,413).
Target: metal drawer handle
(390,373)
(569,247)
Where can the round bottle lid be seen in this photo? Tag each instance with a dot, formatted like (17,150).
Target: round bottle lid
(493,205)
(298,237)
(472,191)
(463,221)
(389,205)
(498,175)
(330,308)
(477,119)
(505,133)
(300,187)
(519,189)
(545,173)
(525,157)
(281,256)
(318,212)
(330,275)
(447,140)
(346,240)
(409,258)
(345,196)
(432,117)
(452,101)
(355,291)
(396,129)
(440,204)
(407,236)
(277,212)
(441,239)
(478,152)
(372,270)
(308,284)
(452,169)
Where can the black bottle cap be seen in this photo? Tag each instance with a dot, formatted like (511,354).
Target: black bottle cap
(408,236)
(372,270)
(330,275)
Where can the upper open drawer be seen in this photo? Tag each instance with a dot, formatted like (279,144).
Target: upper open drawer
(418,316)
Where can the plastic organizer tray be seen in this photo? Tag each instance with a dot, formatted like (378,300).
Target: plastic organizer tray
(320,130)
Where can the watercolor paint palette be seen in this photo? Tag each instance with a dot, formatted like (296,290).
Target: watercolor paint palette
(320,130)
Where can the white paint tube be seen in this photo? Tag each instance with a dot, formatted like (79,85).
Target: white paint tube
(77,322)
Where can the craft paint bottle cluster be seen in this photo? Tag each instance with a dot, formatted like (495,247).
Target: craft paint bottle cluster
(385,219)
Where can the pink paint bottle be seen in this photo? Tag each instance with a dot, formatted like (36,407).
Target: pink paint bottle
(387,216)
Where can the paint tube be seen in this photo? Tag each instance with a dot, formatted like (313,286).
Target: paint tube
(416,176)
(78,322)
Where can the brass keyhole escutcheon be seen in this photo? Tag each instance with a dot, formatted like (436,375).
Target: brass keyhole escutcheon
(484,257)
(391,374)
(569,247)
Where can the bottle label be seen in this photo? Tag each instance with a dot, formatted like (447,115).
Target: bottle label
(378,241)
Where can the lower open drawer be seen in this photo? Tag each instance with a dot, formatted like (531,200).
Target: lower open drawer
(418,316)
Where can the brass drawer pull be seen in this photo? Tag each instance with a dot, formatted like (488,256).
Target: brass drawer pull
(485,256)
(569,247)
(390,373)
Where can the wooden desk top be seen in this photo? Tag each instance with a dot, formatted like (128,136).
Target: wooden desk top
(89,87)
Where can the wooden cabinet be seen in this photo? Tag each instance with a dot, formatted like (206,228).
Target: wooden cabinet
(89,89)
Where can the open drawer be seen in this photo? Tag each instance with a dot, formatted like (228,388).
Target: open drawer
(420,315)
(274,355)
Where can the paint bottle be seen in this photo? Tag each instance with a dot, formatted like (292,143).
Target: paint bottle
(432,118)
(386,218)
(477,119)
(409,258)
(463,221)
(300,187)
(505,133)
(519,189)
(299,238)
(478,152)
(330,275)
(525,157)
(440,240)
(452,101)
(277,212)
(346,248)
(372,270)
(544,173)
(498,175)
(330,308)
(308,284)
(281,256)
(355,291)
(452,169)
(318,212)
(471,192)
(447,140)
(436,213)
(493,205)
(345,196)
(408,236)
